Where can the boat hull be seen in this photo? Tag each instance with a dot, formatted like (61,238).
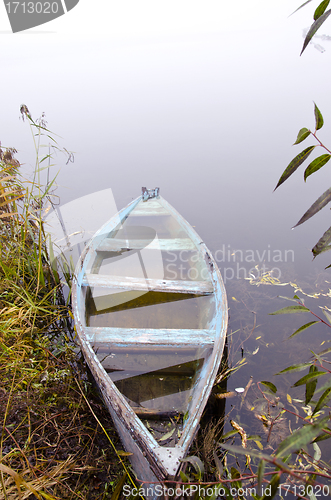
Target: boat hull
(152,462)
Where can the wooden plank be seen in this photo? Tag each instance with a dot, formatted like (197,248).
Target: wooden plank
(145,209)
(116,245)
(151,203)
(127,361)
(140,388)
(154,414)
(155,285)
(150,336)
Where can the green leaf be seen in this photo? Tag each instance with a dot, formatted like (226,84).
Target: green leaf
(323,437)
(325,351)
(321,9)
(235,474)
(327,315)
(295,298)
(314,27)
(302,328)
(310,376)
(300,438)
(245,451)
(294,368)
(318,115)
(184,477)
(322,400)
(229,434)
(296,10)
(271,386)
(302,135)
(326,249)
(316,165)
(168,435)
(197,464)
(323,243)
(119,487)
(274,483)
(218,463)
(50,185)
(317,357)
(317,452)
(260,473)
(310,385)
(290,310)
(45,158)
(294,164)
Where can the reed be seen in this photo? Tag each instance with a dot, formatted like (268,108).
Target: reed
(53,442)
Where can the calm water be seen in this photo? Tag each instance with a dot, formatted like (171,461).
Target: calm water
(210,118)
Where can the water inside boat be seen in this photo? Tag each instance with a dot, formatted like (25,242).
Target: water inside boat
(157,379)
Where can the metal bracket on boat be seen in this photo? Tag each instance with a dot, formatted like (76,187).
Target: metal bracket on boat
(169,458)
(149,193)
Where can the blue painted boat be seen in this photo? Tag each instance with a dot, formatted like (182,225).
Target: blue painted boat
(151,316)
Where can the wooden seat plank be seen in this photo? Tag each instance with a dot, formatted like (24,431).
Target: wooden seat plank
(115,244)
(145,210)
(150,336)
(155,285)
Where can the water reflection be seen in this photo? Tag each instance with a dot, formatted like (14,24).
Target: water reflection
(149,379)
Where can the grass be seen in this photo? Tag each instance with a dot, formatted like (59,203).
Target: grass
(55,432)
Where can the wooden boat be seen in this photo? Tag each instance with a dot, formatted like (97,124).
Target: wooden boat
(150,311)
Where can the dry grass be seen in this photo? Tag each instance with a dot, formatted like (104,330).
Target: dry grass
(51,444)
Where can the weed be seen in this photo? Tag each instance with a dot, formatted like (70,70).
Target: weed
(51,445)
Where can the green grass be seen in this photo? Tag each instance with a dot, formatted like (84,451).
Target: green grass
(55,432)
